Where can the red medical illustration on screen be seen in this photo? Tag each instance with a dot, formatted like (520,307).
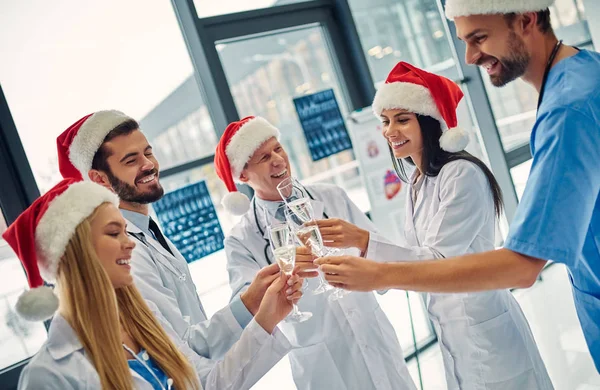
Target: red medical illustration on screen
(392,184)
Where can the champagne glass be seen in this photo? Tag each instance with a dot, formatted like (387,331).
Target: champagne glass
(290,189)
(309,236)
(298,202)
(284,251)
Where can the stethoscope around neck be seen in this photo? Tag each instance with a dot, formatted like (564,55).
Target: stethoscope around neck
(262,232)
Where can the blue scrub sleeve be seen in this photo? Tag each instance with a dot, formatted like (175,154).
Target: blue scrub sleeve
(554,215)
(240,312)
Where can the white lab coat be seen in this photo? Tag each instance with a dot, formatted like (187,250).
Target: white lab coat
(347,344)
(485,339)
(62,363)
(165,283)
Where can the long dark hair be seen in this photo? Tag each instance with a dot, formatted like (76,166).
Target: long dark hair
(434,158)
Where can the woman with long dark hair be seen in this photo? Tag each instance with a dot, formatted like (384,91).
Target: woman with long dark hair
(451,210)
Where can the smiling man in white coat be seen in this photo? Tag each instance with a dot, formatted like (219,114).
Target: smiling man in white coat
(348,343)
(108,148)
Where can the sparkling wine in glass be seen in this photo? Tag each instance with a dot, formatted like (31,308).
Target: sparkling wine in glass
(284,251)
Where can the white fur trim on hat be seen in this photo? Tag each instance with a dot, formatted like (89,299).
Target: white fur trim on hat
(412,97)
(456,8)
(236,203)
(454,140)
(37,304)
(64,214)
(246,140)
(90,136)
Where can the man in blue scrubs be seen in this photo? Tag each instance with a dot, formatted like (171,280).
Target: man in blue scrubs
(558,218)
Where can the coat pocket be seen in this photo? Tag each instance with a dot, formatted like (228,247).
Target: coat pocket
(501,351)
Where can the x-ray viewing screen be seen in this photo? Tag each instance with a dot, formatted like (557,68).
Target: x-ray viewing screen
(188,218)
(323,124)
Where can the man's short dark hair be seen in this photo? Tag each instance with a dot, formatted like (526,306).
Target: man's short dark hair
(543,20)
(100,160)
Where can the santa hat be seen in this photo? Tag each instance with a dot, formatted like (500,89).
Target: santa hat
(78,145)
(456,8)
(40,235)
(237,144)
(424,93)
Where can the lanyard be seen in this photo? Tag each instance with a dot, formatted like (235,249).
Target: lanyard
(547,70)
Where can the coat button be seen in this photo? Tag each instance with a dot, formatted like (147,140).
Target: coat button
(145,356)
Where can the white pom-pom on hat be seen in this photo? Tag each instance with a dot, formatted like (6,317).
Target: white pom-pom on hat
(454,140)
(37,304)
(236,203)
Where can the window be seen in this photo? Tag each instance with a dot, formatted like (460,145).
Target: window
(206,8)
(401,30)
(520,173)
(266,72)
(19,339)
(515,104)
(96,59)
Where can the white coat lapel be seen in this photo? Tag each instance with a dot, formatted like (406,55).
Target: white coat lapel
(420,197)
(143,239)
(318,208)
(409,224)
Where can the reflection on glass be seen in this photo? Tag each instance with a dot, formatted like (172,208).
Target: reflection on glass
(179,128)
(401,30)
(265,73)
(19,339)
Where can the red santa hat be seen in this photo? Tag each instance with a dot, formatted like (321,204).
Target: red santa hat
(237,144)
(40,236)
(456,8)
(78,145)
(424,93)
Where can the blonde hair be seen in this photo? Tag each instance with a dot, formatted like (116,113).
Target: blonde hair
(97,311)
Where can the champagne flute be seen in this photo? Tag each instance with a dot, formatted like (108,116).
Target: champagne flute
(290,189)
(284,251)
(309,236)
(298,201)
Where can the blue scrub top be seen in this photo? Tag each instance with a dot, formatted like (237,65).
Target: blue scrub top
(138,367)
(558,218)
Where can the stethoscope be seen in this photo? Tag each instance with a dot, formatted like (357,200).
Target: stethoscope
(262,232)
(547,71)
(145,365)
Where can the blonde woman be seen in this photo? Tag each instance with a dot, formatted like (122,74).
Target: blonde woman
(104,335)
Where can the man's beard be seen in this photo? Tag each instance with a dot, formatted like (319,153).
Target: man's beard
(129,193)
(515,64)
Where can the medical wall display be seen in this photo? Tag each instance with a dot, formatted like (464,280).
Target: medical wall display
(188,218)
(323,124)
(387,194)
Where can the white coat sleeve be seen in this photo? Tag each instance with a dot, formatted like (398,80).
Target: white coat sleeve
(43,376)
(211,338)
(466,204)
(376,239)
(241,266)
(248,360)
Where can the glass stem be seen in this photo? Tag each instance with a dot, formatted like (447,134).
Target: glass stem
(295,310)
